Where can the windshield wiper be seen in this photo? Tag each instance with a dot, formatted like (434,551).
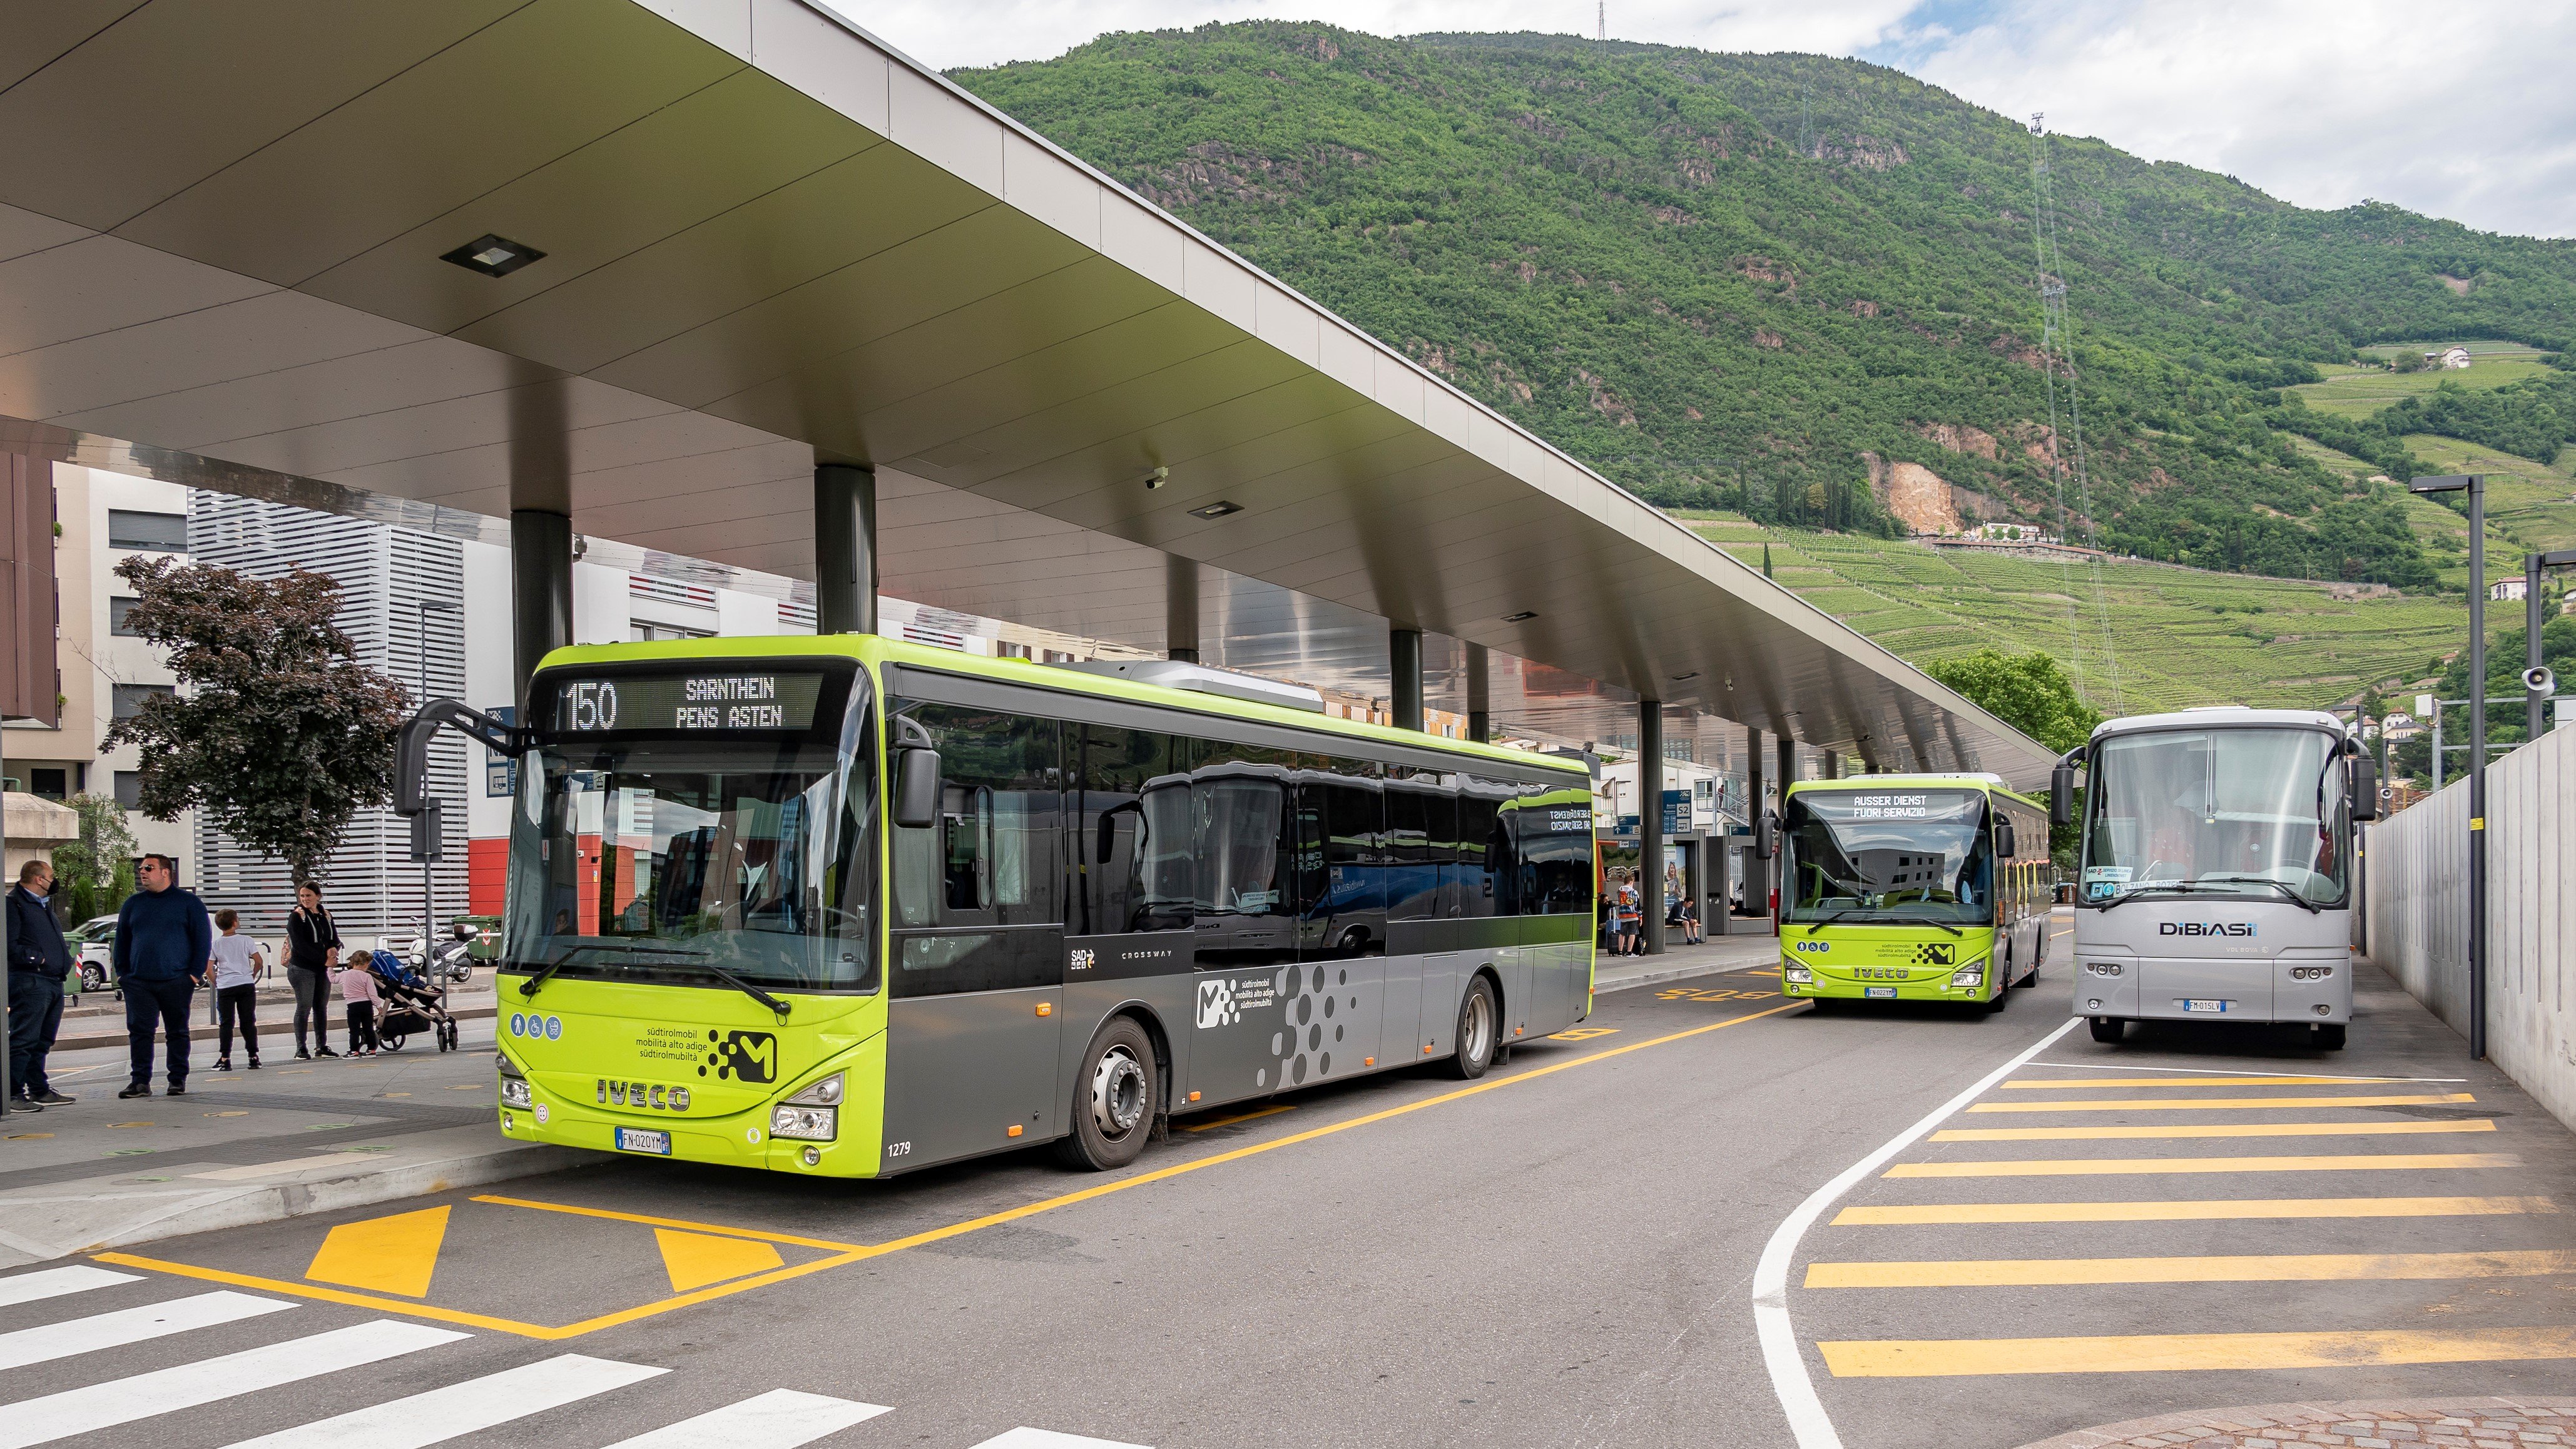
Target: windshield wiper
(2185,887)
(782,1008)
(528,988)
(2282,886)
(1878,920)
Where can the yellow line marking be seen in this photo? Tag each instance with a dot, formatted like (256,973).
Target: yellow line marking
(681,1223)
(2294,1268)
(2168,1104)
(2167,1352)
(2027,1083)
(2117,1166)
(393,1254)
(856,1254)
(2214,1129)
(1238,1117)
(2203,1211)
(694,1260)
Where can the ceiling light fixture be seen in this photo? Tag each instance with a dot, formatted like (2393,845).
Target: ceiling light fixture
(1218,509)
(1685,678)
(493,256)
(1523,617)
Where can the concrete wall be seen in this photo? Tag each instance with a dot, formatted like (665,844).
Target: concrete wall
(2418,900)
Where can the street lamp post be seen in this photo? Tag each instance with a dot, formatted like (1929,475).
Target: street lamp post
(2474,484)
(431,819)
(2534,567)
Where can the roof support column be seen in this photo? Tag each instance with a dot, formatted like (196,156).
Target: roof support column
(845,548)
(1404,664)
(540,593)
(1180,608)
(1480,694)
(1650,823)
(1829,765)
(1757,871)
(1788,768)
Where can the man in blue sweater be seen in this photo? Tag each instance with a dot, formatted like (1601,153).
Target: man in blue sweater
(164,943)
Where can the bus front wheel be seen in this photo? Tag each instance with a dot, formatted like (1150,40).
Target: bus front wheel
(1115,1099)
(1478,1022)
(2109,1028)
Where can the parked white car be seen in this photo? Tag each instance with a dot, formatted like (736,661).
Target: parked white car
(93,946)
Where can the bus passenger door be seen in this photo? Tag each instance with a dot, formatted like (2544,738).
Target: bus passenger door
(978,969)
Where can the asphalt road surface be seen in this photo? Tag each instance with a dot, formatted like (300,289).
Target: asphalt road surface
(1562,1254)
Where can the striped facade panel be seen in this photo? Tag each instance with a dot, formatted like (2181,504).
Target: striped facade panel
(386,575)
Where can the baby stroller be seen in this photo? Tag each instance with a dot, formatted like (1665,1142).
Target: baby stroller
(411,1006)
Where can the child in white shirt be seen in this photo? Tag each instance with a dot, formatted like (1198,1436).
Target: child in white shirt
(235,963)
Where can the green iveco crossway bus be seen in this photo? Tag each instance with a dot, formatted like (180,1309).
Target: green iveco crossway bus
(841,905)
(1912,888)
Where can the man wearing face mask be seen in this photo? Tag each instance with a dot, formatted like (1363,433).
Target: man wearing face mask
(38,964)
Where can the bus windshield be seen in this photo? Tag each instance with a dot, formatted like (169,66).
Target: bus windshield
(1892,855)
(682,862)
(2231,812)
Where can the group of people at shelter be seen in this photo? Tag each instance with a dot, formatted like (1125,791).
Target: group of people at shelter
(167,948)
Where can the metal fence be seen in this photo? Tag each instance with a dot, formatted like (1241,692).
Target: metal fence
(2416,891)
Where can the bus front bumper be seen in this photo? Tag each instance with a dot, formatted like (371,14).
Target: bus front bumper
(737,1139)
(1802,978)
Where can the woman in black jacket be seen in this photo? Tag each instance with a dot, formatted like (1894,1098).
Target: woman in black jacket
(312,943)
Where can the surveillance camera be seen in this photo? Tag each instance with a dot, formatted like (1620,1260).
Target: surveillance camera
(1157,479)
(2539,680)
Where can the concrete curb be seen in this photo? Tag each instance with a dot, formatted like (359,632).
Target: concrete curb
(2260,1420)
(208,1033)
(1653,978)
(200,1209)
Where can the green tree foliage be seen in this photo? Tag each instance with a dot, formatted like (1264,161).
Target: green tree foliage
(2506,724)
(1760,282)
(2029,691)
(2534,419)
(277,733)
(95,873)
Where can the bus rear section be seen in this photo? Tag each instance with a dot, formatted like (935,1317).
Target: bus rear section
(1911,888)
(2216,871)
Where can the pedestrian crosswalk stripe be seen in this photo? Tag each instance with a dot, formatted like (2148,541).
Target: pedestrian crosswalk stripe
(2210,1129)
(779,1419)
(2289,1268)
(2204,1104)
(210,1380)
(2046,1083)
(439,1415)
(2169,1352)
(2211,1210)
(55,1282)
(1049,1439)
(2116,1166)
(130,1325)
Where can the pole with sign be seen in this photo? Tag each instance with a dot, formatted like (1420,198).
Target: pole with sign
(2474,484)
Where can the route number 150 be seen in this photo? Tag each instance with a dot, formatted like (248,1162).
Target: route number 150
(590,706)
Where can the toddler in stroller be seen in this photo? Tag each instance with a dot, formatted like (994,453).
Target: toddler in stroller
(411,1006)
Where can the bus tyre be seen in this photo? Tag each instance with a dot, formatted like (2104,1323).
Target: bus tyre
(1478,1030)
(2326,1036)
(1116,1099)
(2109,1028)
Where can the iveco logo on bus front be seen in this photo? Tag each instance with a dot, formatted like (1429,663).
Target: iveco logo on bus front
(2204,928)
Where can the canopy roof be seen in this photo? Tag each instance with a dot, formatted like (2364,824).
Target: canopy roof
(769,240)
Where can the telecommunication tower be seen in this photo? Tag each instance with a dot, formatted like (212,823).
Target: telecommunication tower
(2053,354)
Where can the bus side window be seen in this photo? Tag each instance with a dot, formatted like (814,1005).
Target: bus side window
(1131,837)
(992,858)
(1421,818)
(1468,888)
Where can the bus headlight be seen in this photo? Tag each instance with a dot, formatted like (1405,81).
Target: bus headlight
(515,1093)
(823,1093)
(2102,968)
(804,1124)
(1799,975)
(1967,980)
(2310,973)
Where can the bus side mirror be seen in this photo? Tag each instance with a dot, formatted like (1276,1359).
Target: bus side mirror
(2365,788)
(2061,795)
(1766,836)
(2005,845)
(916,788)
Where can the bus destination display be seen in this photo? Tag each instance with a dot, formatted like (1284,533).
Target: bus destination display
(716,701)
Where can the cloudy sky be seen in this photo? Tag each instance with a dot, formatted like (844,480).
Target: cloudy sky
(2463,110)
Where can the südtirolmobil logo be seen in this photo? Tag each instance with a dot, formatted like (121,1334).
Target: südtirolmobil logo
(742,1056)
(1937,953)
(1216,1004)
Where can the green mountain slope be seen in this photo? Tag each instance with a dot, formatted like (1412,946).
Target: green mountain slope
(1771,283)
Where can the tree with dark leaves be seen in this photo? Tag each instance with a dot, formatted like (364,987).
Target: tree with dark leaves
(277,732)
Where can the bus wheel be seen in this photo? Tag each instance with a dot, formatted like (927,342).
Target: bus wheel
(2109,1028)
(1476,1033)
(2326,1035)
(1115,1099)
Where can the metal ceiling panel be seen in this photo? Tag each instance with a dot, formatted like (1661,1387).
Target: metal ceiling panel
(826,252)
